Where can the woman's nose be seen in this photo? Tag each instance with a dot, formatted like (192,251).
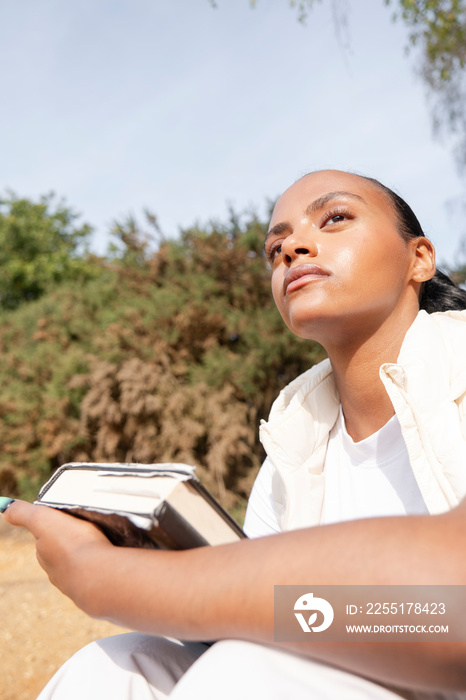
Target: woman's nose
(298,244)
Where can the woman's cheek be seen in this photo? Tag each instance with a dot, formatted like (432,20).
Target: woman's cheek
(277,288)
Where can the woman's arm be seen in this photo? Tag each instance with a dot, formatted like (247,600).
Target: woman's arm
(228,591)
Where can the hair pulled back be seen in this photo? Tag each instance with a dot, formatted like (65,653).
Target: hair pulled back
(439,293)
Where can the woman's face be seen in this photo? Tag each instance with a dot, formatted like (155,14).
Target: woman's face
(338,263)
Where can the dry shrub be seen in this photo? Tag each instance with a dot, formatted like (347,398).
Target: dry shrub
(8,481)
(175,357)
(140,411)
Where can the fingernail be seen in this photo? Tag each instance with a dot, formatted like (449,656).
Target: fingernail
(4,503)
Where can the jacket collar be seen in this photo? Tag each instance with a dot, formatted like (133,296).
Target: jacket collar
(430,367)
(301,417)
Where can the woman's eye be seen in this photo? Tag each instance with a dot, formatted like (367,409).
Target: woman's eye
(337,215)
(274,251)
(336,218)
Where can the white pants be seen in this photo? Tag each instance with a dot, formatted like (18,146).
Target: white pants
(134,666)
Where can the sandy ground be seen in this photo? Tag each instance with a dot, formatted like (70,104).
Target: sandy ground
(40,628)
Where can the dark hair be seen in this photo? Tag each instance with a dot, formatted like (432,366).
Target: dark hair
(439,293)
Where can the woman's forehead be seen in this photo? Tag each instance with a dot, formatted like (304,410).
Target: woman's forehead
(315,185)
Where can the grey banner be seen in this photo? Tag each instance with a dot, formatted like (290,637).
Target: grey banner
(370,613)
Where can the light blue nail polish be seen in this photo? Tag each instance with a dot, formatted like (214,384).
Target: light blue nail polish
(4,503)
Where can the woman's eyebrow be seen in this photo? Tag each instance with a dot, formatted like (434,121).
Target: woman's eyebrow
(321,202)
(277,230)
(317,204)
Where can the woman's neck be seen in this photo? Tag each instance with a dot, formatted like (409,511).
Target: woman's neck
(365,402)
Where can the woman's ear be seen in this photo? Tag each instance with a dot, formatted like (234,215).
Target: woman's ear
(424,260)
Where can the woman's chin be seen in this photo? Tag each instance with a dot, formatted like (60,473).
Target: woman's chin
(308,326)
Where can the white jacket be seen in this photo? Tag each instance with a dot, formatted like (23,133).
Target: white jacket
(427,387)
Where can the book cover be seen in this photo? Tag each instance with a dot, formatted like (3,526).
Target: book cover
(161,506)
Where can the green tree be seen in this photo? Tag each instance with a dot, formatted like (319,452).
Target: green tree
(437,29)
(135,244)
(172,357)
(40,245)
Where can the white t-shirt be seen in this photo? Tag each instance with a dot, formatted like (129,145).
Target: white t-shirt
(369,478)
(363,479)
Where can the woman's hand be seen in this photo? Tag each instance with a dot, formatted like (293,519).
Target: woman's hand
(73,552)
(227,591)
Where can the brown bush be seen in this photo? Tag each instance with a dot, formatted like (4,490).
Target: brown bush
(140,411)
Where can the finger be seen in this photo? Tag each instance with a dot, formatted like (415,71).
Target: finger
(5,503)
(34,518)
(18,513)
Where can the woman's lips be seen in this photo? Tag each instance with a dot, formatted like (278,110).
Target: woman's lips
(297,277)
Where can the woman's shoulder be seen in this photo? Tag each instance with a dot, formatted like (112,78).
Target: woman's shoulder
(450,321)
(434,347)
(440,324)
(445,326)
(318,379)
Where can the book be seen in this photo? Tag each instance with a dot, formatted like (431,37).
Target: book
(161,506)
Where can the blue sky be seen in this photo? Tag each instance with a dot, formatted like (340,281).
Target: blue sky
(182,108)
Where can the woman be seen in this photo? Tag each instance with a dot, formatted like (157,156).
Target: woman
(350,267)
